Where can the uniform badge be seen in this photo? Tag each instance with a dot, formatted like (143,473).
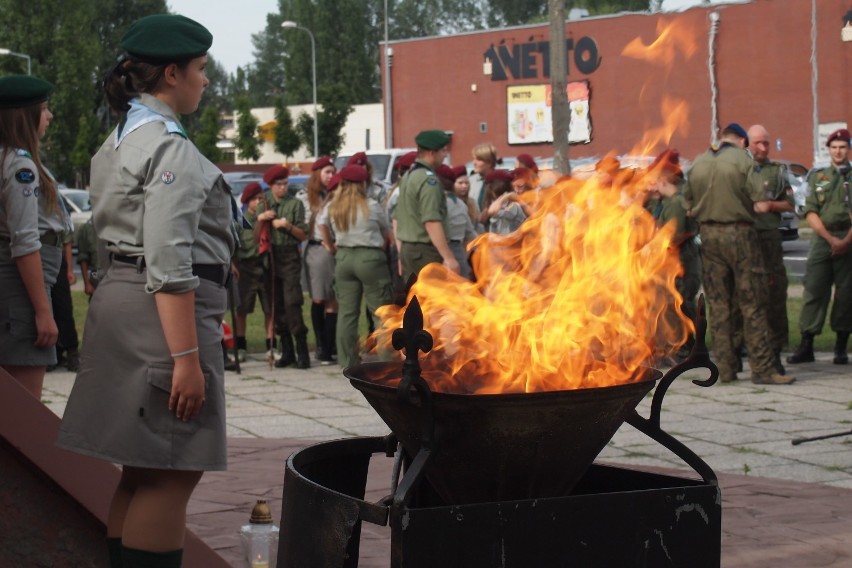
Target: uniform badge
(431,180)
(25,175)
(28,191)
(167,177)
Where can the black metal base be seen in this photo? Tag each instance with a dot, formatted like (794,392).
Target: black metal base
(613,517)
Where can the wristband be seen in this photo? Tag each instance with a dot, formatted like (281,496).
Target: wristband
(182,353)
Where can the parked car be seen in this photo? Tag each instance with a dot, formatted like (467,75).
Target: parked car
(239,180)
(796,176)
(383,162)
(77,203)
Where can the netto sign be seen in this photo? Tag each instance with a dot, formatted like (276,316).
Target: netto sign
(520,60)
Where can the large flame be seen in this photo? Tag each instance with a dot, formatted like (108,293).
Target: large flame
(582,295)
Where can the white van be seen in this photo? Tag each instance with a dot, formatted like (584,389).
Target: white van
(383,162)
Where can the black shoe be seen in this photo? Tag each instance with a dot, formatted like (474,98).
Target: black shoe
(303,357)
(840,356)
(72,362)
(230,365)
(805,352)
(286,360)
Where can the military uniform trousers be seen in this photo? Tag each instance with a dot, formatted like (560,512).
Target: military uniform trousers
(118,407)
(288,290)
(733,271)
(359,271)
(254,281)
(821,271)
(772,252)
(417,255)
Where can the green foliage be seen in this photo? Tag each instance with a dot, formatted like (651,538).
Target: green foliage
(286,138)
(85,146)
(331,121)
(208,135)
(247,143)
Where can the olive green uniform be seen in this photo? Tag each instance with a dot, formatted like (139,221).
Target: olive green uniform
(721,191)
(287,262)
(421,199)
(829,197)
(255,279)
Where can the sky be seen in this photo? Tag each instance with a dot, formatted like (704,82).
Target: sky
(232,24)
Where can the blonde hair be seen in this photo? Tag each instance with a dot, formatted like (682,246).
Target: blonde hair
(486,152)
(349,199)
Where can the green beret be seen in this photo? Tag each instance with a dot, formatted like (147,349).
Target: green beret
(432,139)
(165,38)
(18,91)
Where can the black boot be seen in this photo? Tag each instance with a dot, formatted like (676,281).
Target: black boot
(776,363)
(135,558)
(318,322)
(72,361)
(805,352)
(288,356)
(303,358)
(330,336)
(840,356)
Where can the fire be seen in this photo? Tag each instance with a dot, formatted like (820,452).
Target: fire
(582,295)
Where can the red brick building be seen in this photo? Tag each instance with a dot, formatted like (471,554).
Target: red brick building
(760,59)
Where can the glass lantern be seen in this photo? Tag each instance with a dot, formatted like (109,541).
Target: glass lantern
(260,538)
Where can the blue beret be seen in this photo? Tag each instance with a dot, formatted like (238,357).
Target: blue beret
(166,38)
(737,130)
(18,91)
(432,139)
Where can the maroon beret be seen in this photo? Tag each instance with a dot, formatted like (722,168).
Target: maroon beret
(445,171)
(527,161)
(459,171)
(359,159)
(321,162)
(523,173)
(354,173)
(333,182)
(406,160)
(249,191)
(668,160)
(275,172)
(841,134)
(498,175)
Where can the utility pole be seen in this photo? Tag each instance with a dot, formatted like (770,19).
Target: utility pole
(561,112)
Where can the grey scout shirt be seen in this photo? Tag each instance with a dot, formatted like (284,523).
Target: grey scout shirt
(24,214)
(154,194)
(366,231)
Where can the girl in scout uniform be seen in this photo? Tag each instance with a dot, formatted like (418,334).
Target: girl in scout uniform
(319,262)
(362,236)
(150,392)
(30,233)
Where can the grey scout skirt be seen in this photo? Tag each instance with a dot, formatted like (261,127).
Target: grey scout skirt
(118,408)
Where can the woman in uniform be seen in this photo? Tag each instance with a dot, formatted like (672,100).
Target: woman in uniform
(319,262)
(150,391)
(362,236)
(485,161)
(30,233)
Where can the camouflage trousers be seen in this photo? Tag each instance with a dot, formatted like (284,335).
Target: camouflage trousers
(821,271)
(733,271)
(772,254)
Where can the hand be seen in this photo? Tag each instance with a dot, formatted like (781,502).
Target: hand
(452,264)
(267,215)
(762,207)
(46,331)
(88,288)
(187,395)
(72,278)
(839,247)
(280,223)
(235,270)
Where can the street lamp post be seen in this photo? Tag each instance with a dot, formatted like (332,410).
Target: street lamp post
(290,25)
(4,51)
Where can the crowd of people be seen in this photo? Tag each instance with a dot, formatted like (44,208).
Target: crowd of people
(167,240)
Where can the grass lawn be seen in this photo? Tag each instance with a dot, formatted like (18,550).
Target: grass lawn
(257,344)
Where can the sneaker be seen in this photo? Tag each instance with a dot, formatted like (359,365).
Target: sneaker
(241,355)
(773,379)
(231,365)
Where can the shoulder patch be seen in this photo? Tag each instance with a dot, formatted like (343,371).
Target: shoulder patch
(167,177)
(23,153)
(25,175)
(432,180)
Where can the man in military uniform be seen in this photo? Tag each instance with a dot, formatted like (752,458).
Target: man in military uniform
(722,193)
(421,211)
(827,211)
(287,228)
(778,197)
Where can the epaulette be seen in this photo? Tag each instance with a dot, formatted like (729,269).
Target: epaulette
(175,128)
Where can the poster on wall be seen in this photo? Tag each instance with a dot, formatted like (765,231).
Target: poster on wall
(529,110)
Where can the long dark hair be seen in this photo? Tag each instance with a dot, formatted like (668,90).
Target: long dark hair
(19,130)
(130,77)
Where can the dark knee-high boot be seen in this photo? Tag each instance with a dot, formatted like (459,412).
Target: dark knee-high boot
(840,356)
(135,558)
(805,352)
(318,323)
(288,356)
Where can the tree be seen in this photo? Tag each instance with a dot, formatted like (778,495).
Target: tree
(208,135)
(247,143)
(286,138)
(332,119)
